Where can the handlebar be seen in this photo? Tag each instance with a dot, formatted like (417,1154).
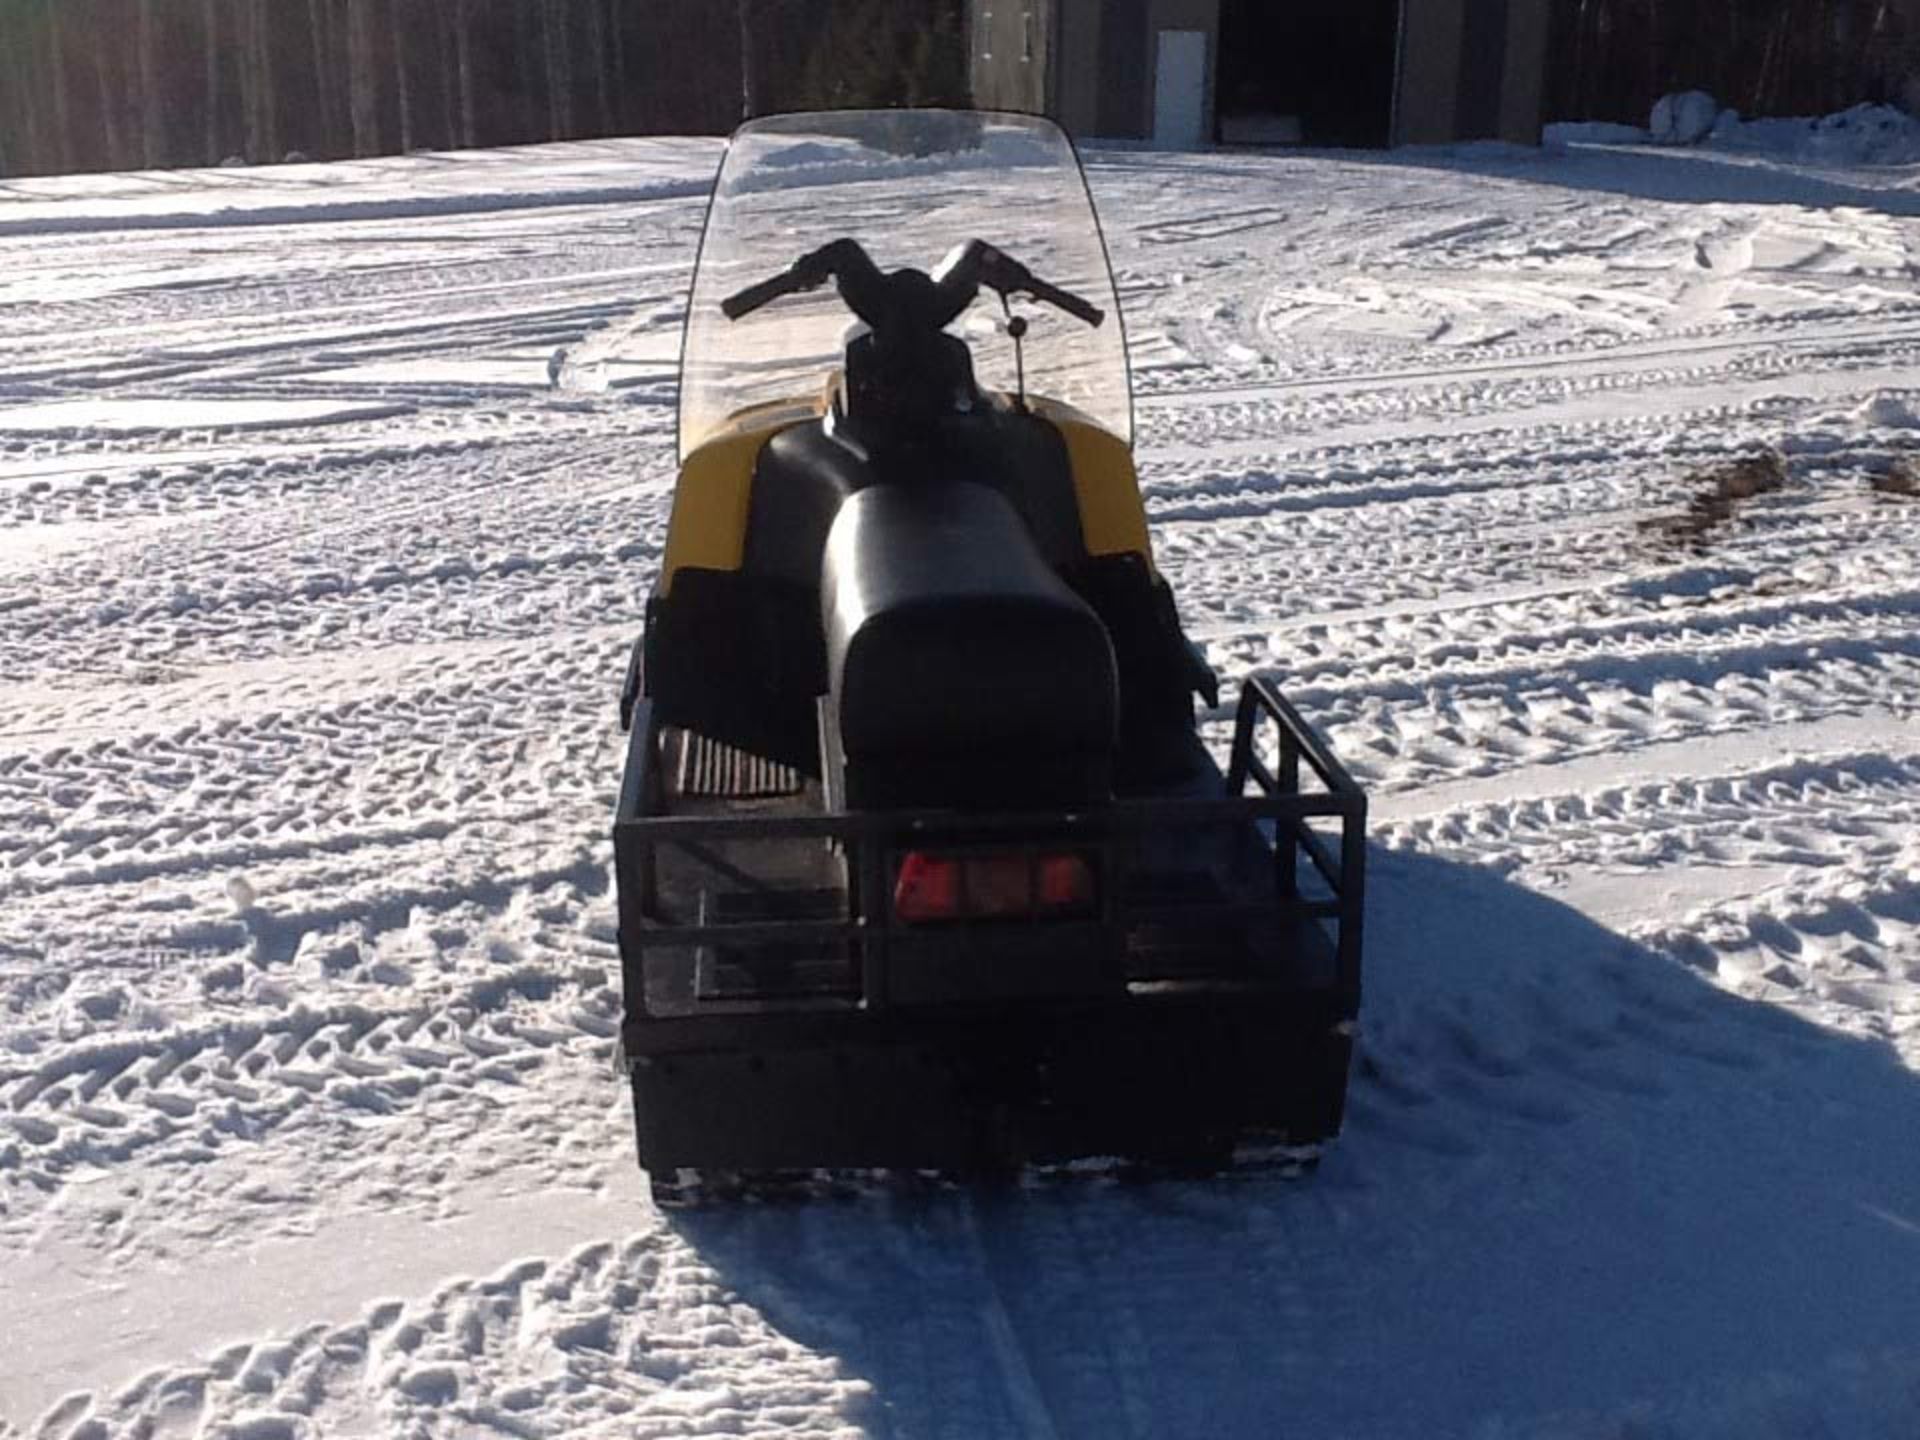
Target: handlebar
(746,301)
(841,260)
(1066,300)
(909,298)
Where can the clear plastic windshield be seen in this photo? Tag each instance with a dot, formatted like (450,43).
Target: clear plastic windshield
(909,185)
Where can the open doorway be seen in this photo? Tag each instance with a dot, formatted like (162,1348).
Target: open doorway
(1312,72)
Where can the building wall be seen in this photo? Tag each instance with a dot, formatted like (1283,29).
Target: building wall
(1431,35)
(1471,70)
(1468,69)
(1077,85)
(1011,45)
(1105,65)
(1523,108)
(1122,65)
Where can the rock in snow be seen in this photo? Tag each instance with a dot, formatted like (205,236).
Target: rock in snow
(1684,119)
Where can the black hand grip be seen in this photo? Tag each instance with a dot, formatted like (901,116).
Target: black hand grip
(745,302)
(999,271)
(1065,300)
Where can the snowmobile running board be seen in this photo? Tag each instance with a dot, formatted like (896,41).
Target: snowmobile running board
(1162,1024)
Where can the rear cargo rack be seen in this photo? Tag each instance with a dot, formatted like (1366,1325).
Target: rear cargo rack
(1344,873)
(1264,803)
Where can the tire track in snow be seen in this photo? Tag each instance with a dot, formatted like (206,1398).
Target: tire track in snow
(1449,398)
(1840,946)
(282,766)
(1414,734)
(1698,346)
(568,561)
(474,1017)
(640,1327)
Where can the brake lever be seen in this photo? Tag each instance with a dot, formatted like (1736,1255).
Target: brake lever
(999,271)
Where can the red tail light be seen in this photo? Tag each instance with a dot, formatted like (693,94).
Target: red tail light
(928,889)
(1066,883)
(992,887)
(998,887)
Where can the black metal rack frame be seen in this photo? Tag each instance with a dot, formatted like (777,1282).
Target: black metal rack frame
(873,840)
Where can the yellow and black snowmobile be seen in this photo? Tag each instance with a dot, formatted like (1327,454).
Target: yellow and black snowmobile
(922,862)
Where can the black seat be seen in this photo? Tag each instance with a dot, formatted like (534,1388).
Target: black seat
(962,671)
(804,474)
(799,482)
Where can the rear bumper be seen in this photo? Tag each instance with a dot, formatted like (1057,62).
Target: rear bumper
(1149,1075)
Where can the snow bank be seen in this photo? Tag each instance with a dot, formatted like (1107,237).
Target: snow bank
(404,187)
(1593,132)
(209,211)
(1864,135)
(149,417)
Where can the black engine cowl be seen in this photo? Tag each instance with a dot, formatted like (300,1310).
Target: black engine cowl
(962,671)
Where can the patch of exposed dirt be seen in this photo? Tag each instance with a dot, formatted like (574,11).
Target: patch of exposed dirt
(1900,479)
(1715,494)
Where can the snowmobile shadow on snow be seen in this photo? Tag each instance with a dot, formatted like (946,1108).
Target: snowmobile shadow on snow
(1577,1177)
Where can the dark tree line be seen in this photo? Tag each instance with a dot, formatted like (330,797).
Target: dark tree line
(126,84)
(1613,58)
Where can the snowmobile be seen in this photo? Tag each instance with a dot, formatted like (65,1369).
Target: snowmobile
(922,860)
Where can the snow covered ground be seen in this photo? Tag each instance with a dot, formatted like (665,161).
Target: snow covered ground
(314,597)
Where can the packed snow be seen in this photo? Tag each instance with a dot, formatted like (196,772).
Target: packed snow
(1572,492)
